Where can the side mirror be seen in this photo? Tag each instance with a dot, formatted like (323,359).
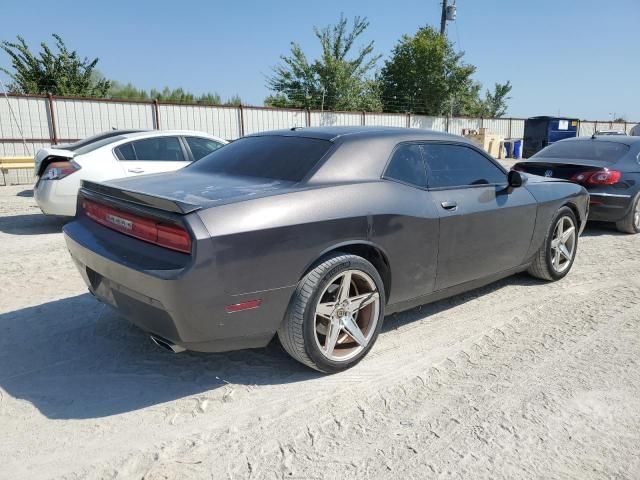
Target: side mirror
(515,179)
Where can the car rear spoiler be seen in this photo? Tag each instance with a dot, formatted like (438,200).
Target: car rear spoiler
(140,198)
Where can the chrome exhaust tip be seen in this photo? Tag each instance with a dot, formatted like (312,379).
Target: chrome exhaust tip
(166,344)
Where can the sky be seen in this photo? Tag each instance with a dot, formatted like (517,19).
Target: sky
(577,58)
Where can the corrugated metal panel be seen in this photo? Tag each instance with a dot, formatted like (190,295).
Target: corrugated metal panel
(218,121)
(517,128)
(260,119)
(18,149)
(617,126)
(386,119)
(456,125)
(82,118)
(586,129)
(498,126)
(327,119)
(30,113)
(430,123)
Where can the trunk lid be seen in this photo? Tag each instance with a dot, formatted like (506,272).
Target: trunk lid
(184,192)
(558,168)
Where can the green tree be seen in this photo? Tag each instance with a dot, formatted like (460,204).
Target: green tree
(60,72)
(425,75)
(337,80)
(494,104)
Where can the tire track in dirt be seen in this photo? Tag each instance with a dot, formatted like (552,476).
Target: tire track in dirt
(429,416)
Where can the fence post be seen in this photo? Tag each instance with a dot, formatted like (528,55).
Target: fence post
(510,122)
(156,111)
(52,118)
(408,119)
(241,113)
(363,118)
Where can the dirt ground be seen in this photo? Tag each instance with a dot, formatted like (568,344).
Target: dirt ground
(521,379)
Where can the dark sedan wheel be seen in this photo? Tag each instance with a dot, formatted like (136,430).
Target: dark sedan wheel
(555,258)
(335,314)
(631,222)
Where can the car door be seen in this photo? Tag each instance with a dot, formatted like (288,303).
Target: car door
(152,155)
(201,147)
(410,238)
(485,226)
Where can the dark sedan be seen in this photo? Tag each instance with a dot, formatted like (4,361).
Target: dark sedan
(314,235)
(607,166)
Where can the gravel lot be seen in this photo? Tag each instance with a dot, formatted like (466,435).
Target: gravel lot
(521,379)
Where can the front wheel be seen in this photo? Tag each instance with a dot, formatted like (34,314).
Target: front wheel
(335,315)
(558,251)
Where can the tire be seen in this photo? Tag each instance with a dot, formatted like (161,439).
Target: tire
(631,222)
(544,262)
(305,334)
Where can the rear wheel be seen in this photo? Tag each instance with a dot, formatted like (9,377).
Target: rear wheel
(335,315)
(631,222)
(558,251)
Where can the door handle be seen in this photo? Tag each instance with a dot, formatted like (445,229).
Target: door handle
(451,206)
(136,170)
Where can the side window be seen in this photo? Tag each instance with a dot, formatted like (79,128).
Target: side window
(457,165)
(201,147)
(125,152)
(407,165)
(159,148)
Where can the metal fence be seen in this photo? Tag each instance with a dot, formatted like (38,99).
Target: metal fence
(48,120)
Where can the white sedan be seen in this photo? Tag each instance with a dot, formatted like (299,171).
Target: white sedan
(114,154)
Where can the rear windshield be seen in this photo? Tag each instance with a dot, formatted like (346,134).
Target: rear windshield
(585,150)
(101,136)
(280,158)
(90,147)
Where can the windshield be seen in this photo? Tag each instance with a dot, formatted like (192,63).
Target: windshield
(585,150)
(271,156)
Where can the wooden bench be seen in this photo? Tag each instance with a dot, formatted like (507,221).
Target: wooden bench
(14,163)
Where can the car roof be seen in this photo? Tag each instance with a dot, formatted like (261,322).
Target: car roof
(344,133)
(627,140)
(154,133)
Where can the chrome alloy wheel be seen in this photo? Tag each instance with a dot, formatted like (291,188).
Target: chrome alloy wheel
(346,315)
(563,244)
(636,216)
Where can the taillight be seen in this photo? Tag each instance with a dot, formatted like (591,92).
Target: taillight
(597,177)
(59,170)
(164,235)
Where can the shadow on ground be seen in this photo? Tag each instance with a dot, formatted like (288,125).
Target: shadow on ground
(76,358)
(596,229)
(25,193)
(31,224)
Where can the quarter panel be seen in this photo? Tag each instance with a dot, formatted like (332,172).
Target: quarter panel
(268,243)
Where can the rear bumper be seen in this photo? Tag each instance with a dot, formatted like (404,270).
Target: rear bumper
(183,305)
(608,207)
(52,203)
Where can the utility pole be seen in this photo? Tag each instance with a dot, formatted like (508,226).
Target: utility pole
(443,18)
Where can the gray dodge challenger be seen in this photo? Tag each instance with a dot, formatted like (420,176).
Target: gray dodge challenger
(313,235)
